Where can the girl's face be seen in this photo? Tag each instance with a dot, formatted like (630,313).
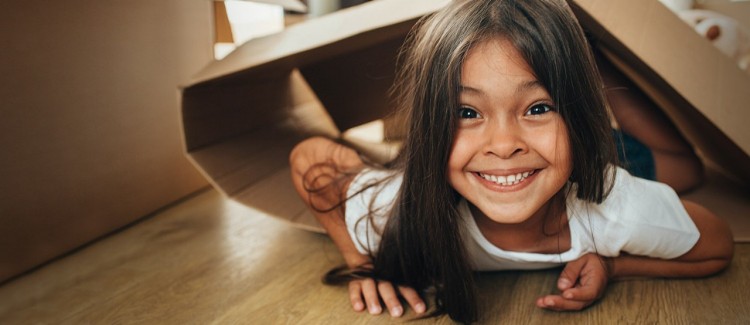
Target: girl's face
(511,152)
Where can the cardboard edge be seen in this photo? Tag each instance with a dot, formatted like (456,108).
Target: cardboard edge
(728,148)
(311,39)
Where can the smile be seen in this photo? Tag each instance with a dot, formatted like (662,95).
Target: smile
(508,179)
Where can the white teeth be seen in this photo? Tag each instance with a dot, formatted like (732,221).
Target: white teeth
(507,180)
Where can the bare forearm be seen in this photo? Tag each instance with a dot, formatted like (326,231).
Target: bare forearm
(317,166)
(337,231)
(712,253)
(638,266)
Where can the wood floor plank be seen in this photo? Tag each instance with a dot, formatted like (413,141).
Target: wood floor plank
(210,260)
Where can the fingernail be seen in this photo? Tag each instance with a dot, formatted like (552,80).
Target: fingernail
(563,283)
(375,310)
(396,311)
(549,302)
(358,306)
(420,308)
(568,295)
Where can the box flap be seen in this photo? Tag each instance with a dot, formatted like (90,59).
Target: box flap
(326,36)
(700,89)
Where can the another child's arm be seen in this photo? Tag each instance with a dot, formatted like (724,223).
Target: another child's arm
(675,161)
(319,163)
(584,281)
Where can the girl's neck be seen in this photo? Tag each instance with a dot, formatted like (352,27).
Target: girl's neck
(545,232)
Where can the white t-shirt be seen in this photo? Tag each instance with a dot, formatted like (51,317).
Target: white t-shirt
(639,217)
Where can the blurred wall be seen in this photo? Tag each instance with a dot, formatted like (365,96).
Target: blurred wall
(89,118)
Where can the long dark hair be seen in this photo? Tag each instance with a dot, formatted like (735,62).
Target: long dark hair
(422,242)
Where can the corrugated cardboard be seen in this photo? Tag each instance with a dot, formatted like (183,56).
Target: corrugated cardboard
(89,122)
(243,114)
(698,87)
(222,29)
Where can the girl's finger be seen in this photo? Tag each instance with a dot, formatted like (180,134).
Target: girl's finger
(570,274)
(413,298)
(581,293)
(370,292)
(355,295)
(559,303)
(591,286)
(388,294)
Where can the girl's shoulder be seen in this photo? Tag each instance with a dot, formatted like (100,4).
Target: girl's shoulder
(636,215)
(630,198)
(374,180)
(629,192)
(370,197)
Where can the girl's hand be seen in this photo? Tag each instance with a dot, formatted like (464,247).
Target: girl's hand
(373,291)
(581,283)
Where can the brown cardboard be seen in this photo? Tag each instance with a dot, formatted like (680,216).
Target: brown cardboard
(222,28)
(89,126)
(700,89)
(237,112)
(242,115)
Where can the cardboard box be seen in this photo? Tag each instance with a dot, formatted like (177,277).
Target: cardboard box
(243,114)
(90,130)
(699,88)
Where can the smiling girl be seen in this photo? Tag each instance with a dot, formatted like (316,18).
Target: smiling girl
(509,163)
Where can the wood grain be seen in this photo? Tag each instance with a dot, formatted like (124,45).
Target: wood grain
(209,260)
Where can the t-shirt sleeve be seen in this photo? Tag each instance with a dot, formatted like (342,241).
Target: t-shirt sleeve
(647,218)
(371,195)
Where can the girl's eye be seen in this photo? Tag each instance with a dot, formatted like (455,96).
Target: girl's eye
(468,113)
(539,109)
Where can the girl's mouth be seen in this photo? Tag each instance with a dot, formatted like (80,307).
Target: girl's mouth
(507,180)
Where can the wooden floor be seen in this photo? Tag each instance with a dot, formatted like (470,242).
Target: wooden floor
(209,260)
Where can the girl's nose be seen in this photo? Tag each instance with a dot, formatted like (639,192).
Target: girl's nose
(504,140)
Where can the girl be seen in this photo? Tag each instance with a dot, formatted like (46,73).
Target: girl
(508,164)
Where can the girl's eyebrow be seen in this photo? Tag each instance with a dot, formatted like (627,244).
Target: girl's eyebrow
(522,87)
(529,85)
(470,90)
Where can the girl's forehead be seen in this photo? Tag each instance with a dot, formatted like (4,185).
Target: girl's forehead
(495,56)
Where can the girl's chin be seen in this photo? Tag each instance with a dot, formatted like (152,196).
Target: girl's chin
(509,220)
(505,216)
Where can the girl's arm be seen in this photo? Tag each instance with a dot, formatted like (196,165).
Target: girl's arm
(712,253)
(583,281)
(317,163)
(321,163)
